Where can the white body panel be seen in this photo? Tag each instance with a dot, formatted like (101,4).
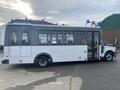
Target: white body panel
(25,51)
(58,53)
(14,51)
(27,54)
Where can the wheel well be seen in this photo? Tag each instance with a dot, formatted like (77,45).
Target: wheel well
(43,54)
(110,52)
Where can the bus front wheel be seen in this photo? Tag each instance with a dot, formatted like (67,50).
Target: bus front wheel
(43,61)
(109,56)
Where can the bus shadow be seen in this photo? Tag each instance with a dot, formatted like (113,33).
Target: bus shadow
(35,68)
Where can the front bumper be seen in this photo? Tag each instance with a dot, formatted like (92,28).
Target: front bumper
(6,61)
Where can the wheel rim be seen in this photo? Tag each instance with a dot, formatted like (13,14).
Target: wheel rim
(109,57)
(42,63)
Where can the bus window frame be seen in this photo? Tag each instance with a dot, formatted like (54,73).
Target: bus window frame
(29,38)
(69,32)
(57,33)
(11,38)
(48,34)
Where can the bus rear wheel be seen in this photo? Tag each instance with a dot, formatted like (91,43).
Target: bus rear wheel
(109,56)
(43,61)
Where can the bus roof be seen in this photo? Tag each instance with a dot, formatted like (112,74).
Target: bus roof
(53,27)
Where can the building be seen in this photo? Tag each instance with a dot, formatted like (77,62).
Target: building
(111,28)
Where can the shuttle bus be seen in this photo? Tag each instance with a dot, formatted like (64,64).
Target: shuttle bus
(42,45)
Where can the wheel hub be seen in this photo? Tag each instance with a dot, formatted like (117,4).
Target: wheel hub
(109,57)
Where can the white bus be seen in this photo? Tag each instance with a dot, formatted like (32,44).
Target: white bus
(45,44)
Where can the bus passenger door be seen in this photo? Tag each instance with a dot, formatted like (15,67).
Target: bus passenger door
(93,45)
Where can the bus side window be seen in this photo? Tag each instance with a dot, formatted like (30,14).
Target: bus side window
(14,38)
(25,39)
(42,39)
(60,39)
(57,38)
(54,38)
(84,38)
(69,38)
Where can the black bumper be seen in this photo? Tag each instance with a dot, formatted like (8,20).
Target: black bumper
(6,61)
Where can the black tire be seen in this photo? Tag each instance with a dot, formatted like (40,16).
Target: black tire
(109,56)
(43,61)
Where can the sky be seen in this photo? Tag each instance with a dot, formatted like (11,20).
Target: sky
(71,12)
